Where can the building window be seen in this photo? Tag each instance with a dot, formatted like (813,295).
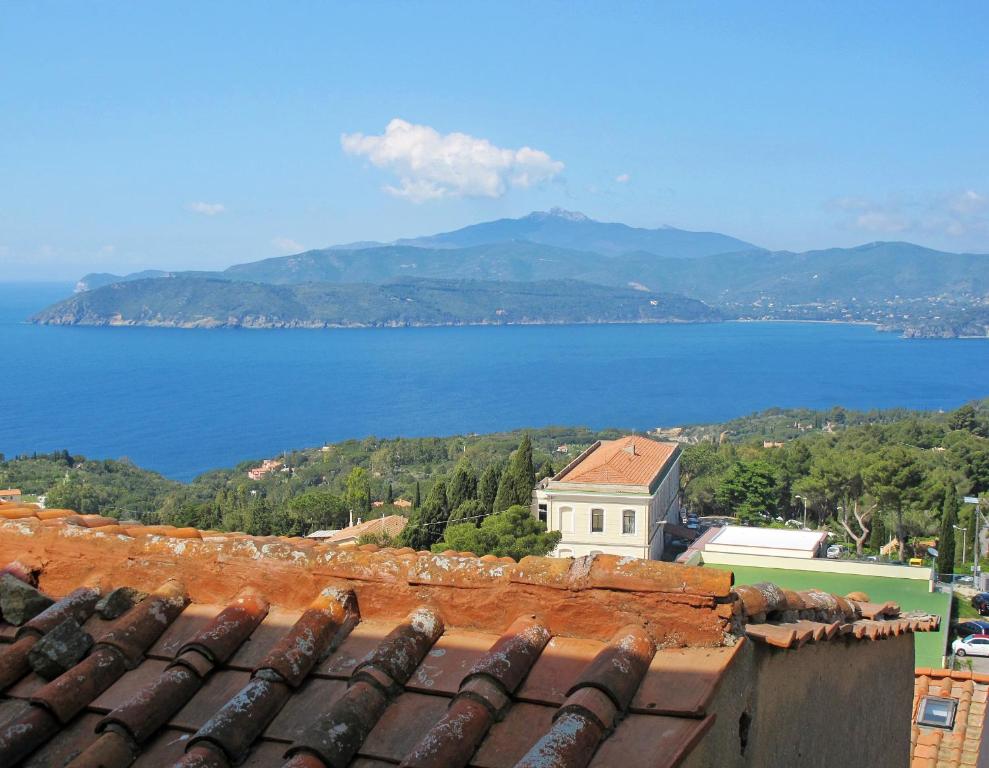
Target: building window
(937,712)
(542,513)
(628,521)
(566,520)
(597,521)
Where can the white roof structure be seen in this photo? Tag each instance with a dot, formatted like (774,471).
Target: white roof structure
(778,542)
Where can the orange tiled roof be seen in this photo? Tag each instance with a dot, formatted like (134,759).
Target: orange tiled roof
(270,649)
(960,745)
(390,525)
(630,460)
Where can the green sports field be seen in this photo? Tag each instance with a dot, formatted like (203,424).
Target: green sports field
(911,595)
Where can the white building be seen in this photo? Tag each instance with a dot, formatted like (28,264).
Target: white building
(613,499)
(765,542)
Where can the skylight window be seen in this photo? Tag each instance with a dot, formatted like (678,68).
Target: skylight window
(937,712)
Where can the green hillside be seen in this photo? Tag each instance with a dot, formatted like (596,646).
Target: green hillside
(207,303)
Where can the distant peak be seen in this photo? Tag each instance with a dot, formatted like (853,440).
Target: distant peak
(558,213)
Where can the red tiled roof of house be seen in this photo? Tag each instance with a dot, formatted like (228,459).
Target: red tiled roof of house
(390,525)
(960,745)
(630,460)
(286,652)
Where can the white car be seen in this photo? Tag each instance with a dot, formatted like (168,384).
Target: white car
(973,645)
(835,551)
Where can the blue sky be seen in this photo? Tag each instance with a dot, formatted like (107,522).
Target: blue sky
(196,135)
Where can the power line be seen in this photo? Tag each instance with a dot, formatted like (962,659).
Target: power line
(447,522)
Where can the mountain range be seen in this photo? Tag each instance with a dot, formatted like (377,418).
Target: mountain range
(566,250)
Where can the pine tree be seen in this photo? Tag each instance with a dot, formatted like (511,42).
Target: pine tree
(463,484)
(946,541)
(517,482)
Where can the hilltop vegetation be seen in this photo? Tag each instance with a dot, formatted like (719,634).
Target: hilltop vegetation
(865,475)
(208,303)
(523,269)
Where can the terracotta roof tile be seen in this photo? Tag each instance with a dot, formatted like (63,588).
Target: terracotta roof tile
(390,525)
(961,744)
(630,460)
(419,660)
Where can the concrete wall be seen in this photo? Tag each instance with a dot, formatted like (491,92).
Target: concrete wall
(821,565)
(842,702)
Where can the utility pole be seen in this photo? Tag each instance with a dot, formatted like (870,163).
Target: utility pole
(964,540)
(976,501)
(804,501)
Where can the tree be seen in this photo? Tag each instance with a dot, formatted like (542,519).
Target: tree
(893,480)
(946,539)
(318,510)
(965,418)
(425,526)
(470,511)
(417,498)
(512,533)
(878,537)
(545,470)
(390,495)
(358,495)
(750,490)
(463,484)
(518,480)
(487,489)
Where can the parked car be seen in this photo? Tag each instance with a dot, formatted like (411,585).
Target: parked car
(835,551)
(980,602)
(972,627)
(973,645)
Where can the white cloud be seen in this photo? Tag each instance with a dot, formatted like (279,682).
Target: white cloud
(430,165)
(622,178)
(207,209)
(955,215)
(287,245)
(880,221)
(968,202)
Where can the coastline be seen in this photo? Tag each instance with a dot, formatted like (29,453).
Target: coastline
(212,324)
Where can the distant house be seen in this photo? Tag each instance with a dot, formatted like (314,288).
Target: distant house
(402,503)
(10,494)
(391,525)
(267,466)
(615,498)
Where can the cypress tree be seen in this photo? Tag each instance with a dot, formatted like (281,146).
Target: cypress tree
(417,499)
(518,480)
(487,489)
(463,484)
(877,539)
(426,525)
(946,541)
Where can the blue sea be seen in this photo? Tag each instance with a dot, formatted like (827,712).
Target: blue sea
(185,401)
